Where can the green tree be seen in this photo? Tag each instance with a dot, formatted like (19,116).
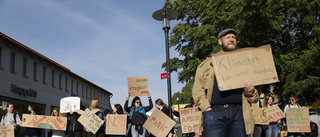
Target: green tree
(290,26)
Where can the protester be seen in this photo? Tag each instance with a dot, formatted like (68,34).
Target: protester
(273,129)
(225,113)
(11,118)
(74,127)
(57,133)
(293,104)
(137,115)
(95,104)
(165,109)
(117,109)
(32,132)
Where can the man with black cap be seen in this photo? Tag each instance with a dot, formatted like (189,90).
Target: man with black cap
(227,113)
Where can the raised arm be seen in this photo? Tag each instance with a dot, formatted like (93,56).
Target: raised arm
(148,108)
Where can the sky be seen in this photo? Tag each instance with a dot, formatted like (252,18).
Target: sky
(103,41)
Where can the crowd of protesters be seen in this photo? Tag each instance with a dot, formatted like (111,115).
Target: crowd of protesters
(137,115)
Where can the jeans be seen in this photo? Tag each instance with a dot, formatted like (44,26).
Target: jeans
(272,130)
(135,133)
(224,122)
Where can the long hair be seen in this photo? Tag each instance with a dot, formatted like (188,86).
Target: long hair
(119,109)
(134,101)
(34,108)
(266,100)
(161,103)
(58,110)
(95,103)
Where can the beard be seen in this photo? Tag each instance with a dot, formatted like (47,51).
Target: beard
(229,46)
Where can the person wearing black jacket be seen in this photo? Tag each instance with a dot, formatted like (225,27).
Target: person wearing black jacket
(74,127)
(165,109)
(137,115)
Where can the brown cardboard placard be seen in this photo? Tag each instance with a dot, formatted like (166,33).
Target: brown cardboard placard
(7,131)
(138,86)
(255,65)
(90,120)
(159,124)
(190,118)
(116,124)
(298,120)
(45,122)
(275,113)
(260,116)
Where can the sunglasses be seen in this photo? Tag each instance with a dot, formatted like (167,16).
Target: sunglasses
(292,100)
(138,102)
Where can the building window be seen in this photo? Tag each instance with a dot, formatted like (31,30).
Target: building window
(52,78)
(82,88)
(24,67)
(1,58)
(72,87)
(77,88)
(12,62)
(66,85)
(44,75)
(35,65)
(60,81)
(91,94)
(87,92)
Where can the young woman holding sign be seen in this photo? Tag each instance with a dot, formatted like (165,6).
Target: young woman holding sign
(273,129)
(137,115)
(95,104)
(32,132)
(11,118)
(57,133)
(165,109)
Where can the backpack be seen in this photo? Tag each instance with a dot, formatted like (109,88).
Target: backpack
(14,117)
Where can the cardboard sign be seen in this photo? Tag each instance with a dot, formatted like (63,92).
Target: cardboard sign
(138,86)
(7,131)
(275,113)
(159,124)
(68,104)
(260,116)
(190,119)
(45,122)
(298,120)
(90,120)
(116,124)
(255,65)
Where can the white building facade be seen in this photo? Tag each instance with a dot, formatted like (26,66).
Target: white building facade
(27,77)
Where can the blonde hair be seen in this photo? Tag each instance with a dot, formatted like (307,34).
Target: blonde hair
(95,103)
(58,110)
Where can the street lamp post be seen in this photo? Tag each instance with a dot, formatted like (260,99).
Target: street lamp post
(165,15)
